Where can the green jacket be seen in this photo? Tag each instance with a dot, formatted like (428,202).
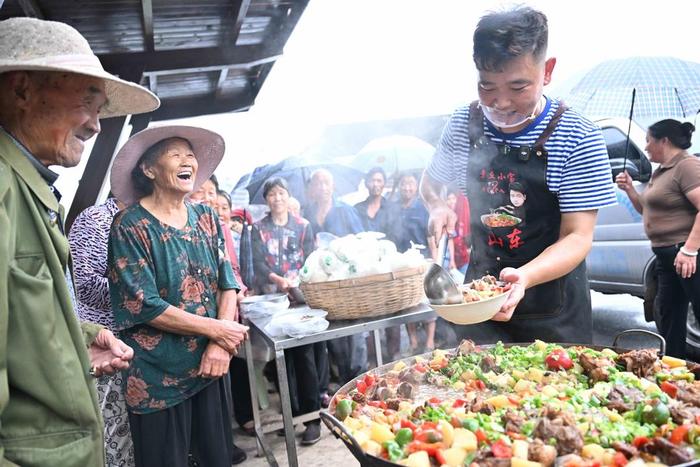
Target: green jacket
(49,414)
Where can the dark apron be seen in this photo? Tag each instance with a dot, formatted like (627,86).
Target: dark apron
(556,311)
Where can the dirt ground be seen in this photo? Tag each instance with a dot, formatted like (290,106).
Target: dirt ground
(329,451)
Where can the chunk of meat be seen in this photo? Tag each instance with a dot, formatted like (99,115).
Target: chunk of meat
(688,392)
(596,368)
(466,347)
(627,449)
(384,393)
(545,454)
(512,421)
(393,404)
(668,452)
(642,362)
(694,368)
(480,405)
(411,375)
(488,363)
(405,390)
(623,398)
(684,413)
(484,457)
(561,427)
(359,398)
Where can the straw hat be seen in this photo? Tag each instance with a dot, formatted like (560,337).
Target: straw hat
(33,44)
(208,148)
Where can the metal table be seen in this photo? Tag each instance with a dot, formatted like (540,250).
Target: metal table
(342,328)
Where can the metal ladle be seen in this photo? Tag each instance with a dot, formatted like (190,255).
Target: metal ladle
(438,284)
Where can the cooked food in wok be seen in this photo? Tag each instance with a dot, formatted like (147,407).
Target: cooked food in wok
(499,220)
(481,289)
(528,406)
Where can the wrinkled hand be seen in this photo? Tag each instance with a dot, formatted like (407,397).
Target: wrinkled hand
(228,334)
(442,219)
(624,181)
(517,283)
(685,265)
(109,354)
(215,361)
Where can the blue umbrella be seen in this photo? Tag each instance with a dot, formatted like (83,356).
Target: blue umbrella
(297,171)
(639,87)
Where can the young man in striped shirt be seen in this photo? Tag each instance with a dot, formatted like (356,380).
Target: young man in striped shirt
(516,135)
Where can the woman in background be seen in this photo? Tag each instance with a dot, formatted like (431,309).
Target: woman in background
(670,206)
(88,240)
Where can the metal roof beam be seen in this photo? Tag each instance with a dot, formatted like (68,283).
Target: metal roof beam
(188,107)
(220,83)
(31,8)
(147,18)
(218,68)
(192,59)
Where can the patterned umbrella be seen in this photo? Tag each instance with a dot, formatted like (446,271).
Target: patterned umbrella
(644,87)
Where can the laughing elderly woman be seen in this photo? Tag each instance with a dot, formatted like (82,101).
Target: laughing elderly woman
(174,298)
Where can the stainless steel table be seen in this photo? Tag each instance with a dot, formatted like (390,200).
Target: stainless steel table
(421,312)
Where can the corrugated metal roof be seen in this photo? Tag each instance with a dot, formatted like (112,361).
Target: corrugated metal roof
(200,56)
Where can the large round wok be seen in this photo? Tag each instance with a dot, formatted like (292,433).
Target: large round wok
(340,432)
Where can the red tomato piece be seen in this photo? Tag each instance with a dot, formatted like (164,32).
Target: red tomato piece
(558,359)
(501,449)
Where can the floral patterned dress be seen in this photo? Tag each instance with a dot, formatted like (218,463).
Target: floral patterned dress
(154,266)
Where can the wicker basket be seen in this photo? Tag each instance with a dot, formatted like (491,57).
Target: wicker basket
(368,296)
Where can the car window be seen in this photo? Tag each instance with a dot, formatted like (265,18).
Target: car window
(616,141)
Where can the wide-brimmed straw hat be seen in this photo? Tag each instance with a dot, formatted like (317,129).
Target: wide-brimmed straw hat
(32,44)
(207,146)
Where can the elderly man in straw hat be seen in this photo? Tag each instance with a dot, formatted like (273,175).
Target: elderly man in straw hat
(53,90)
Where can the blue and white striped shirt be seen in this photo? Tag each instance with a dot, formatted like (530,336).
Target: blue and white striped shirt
(578,168)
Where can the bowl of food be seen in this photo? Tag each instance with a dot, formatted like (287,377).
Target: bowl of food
(482,300)
(500,219)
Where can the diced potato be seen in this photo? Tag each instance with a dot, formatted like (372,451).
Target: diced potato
(520,448)
(673,362)
(550,391)
(438,354)
(454,457)
(372,448)
(610,353)
(517,462)
(583,428)
(352,423)
(418,459)
(464,439)
(535,374)
(381,433)
(398,366)
(458,385)
(522,385)
(500,401)
(361,437)
(539,345)
(593,451)
(608,456)
(468,375)
(448,432)
(518,374)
